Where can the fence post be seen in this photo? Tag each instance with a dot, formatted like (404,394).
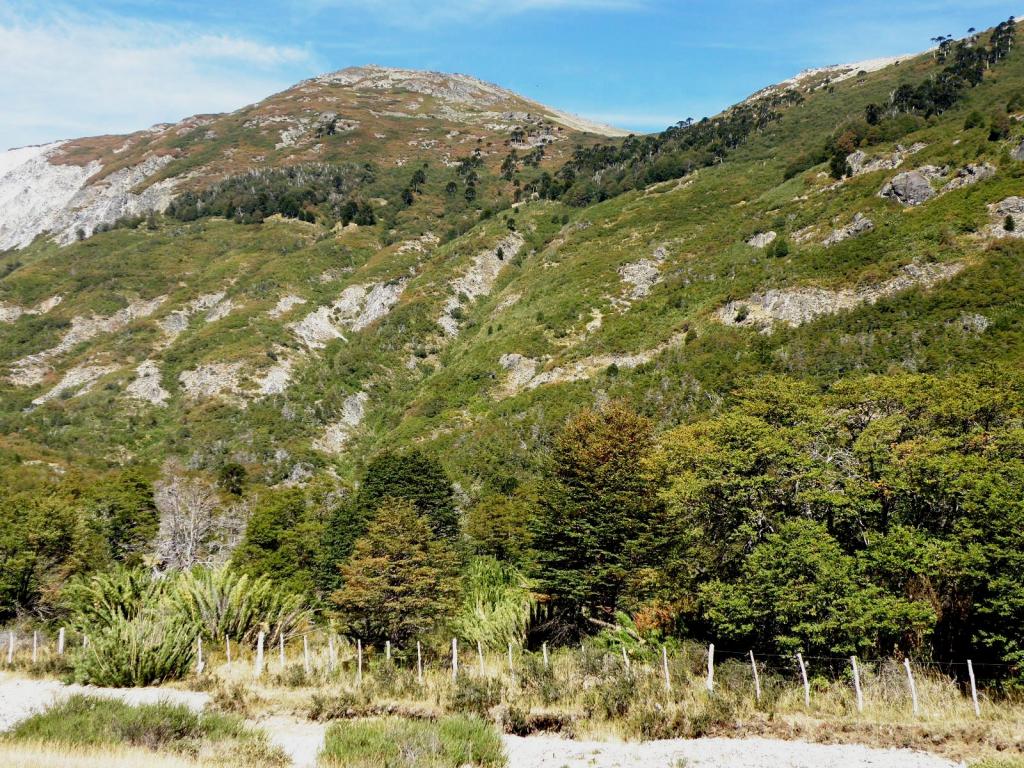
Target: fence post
(259,653)
(856,684)
(387,650)
(455,658)
(711,667)
(807,685)
(625,658)
(913,687)
(757,677)
(35,646)
(200,666)
(359,662)
(305,654)
(664,666)
(281,647)
(419,662)
(227,648)
(511,666)
(60,642)
(974,688)
(10,647)
(480,656)
(544,648)
(330,650)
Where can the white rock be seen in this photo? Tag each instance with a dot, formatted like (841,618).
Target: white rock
(11,312)
(285,305)
(479,279)
(212,380)
(762,239)
(858,226)
(77,380)
(147,384)
(358,307)
(336,436)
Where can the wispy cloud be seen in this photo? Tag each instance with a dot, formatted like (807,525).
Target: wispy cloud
(67,75)
(421,13)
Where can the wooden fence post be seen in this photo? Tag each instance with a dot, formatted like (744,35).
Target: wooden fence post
(200,665)
(544,649)
(227,648)
(419,662)
(305,654)
(359,661)
(10,647)
(387,650)
(757,677)
(974,688)
(803,674)
(35,646)
(913,687)
(664,667)
(711,667)
(511,666)
(455,658)
(281,647)
(856,684)
(330,650)
(60,642)
(480,656)
(625,658)
(260,639)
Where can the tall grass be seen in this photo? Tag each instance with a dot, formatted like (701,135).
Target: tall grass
(451,742)
(498,605)
(148,648)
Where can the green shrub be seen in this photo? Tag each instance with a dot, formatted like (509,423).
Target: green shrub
(497,605)
(453,742)
(147,649)
(91,721)
(475,695)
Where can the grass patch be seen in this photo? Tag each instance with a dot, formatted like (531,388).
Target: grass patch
(393,743)
(85,721)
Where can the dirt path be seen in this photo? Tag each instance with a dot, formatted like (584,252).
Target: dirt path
(302,740)
(554,752)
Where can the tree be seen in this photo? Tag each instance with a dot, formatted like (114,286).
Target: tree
(595,509)
(125,510)
(407,197)
(1009,223)
(419,178)
(415,477)
(451,188)
(401,582)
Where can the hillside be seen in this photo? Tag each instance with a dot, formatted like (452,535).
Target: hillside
(292,345)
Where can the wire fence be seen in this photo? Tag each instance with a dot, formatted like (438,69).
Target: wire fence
(323,650)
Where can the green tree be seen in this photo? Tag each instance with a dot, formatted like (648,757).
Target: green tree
(594,513)
(416,477)
(401,582)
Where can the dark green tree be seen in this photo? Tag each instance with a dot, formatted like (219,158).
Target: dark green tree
(416,477)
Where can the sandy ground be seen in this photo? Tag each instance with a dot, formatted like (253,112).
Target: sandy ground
(302,740)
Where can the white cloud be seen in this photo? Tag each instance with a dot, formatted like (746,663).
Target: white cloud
(419,13)
(67,75)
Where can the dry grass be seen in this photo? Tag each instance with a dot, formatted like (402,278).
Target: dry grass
(51,756)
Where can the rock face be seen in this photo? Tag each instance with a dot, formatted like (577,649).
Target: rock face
(9,313)
(1017,153)
(641,276)
(336,436)
(762,239)
(356,308)
(909,189)
(77,381)
(39,194)
(478,280)
(860,163)
(801,305)
(968,175)
(858,226)
(146,386)
(1012,207)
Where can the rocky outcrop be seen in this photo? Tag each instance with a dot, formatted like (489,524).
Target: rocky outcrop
(1011,208)
(76,381)
(860,163)
(801,305)
(285,305)
(358,307)
(275,380)
(214,306)
(968,175)
(212,380)
(478,280)
(336,436)
(909,189)
(147,385)
(641,276)
(762,239)
(32,369)
(858,226)
(1017,152)
(9,313)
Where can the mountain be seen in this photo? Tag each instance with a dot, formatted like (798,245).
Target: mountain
(384,258)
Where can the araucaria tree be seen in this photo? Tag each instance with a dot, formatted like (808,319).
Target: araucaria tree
(595,513)
(401,581)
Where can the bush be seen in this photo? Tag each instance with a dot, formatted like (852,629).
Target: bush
(147,649)
(90,721)
(475,695)
(449,743)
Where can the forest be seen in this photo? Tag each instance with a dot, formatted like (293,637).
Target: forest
(881,517)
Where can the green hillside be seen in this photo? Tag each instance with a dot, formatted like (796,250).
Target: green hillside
(289,350)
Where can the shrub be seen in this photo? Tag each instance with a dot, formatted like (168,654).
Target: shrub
(149,648)
(475,695)
(449,743)
(497,605)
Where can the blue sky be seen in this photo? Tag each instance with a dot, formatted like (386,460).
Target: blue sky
(107,66)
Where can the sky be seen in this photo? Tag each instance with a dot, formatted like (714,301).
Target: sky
(70,69)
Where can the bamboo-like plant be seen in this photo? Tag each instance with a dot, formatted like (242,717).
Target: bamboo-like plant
(498,605)
(145,649)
